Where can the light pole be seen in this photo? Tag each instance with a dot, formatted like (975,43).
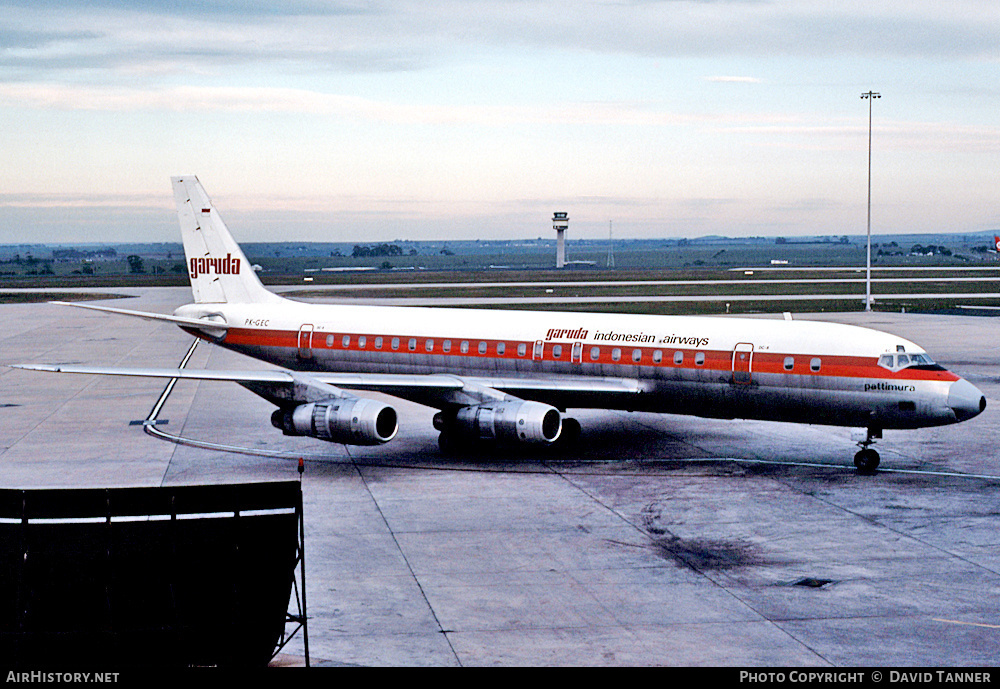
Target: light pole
(870,96)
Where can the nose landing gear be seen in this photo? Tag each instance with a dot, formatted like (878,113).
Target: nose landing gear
(867,459)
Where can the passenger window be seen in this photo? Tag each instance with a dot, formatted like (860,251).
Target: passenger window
(699,359)
(522,349)
(346,341)
(482,347)
(657,356)
(464,347)
(556,351)
(378,343)
(412,344)
(678,358)
(636,355)
(395,343)
(329,340)
(595,353)
(789,363)
(616,354)
(446,345)
(429,345)
(815,365)
(501,348)
(362,341)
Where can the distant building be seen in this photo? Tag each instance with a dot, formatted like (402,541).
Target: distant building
(560,223)
(73,255)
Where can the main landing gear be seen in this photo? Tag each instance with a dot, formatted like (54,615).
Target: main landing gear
(455,441)
(867,459)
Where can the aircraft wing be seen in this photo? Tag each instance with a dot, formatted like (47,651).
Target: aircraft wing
(262,376)
(434,389)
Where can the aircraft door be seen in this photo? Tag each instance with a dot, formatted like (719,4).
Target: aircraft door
(539,349)
(742,363)
(305,341)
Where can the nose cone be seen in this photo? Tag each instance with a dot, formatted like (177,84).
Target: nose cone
(966,400)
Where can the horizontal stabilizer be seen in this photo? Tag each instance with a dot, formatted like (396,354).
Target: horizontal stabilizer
(148,315)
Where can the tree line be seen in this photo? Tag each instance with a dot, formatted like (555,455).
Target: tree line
(376,250)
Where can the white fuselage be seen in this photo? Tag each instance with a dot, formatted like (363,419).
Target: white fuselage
(798,371)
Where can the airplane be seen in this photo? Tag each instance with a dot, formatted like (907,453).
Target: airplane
(510,376)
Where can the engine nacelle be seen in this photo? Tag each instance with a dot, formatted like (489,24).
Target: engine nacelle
(348,420)
(523,421)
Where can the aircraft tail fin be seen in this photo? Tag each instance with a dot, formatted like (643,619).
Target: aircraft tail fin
(218,268)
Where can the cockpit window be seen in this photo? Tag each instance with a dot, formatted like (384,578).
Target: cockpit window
(897,362)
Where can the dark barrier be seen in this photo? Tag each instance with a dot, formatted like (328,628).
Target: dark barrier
(177,576)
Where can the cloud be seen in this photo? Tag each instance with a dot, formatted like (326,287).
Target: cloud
(258,99)
(734,80)
(355,37)
(90,200)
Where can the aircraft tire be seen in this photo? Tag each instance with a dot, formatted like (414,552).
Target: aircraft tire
(447,444)
(453,445)
(867,461)
(569,438)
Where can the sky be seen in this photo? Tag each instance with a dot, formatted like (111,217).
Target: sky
(357,121)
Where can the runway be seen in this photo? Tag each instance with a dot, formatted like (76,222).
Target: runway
(664,540)
(968,283)
(501,302)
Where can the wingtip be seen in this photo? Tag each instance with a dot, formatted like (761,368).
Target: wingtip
(35,367)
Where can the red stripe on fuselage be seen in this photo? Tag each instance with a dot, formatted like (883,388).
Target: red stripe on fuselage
(763,362)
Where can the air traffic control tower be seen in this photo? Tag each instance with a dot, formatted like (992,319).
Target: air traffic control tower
(560,223)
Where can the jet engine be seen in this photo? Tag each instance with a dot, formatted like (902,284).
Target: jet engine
(519,420)
(348,420)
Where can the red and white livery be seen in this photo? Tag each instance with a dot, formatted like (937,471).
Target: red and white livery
(511,375)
